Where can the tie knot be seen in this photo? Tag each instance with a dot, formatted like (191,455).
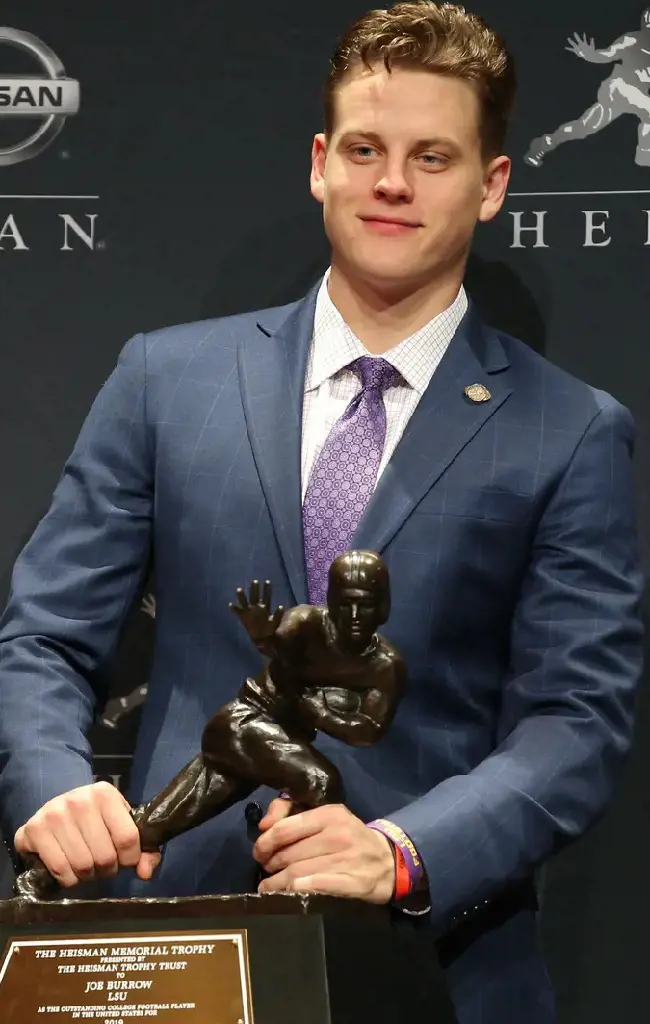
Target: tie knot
(375,372)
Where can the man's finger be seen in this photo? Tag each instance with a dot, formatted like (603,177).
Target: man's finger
(290,830)
(56,862)
(20,841)
(74,846)
(323,844)
(277,810)
(96,835)
(147,865)
(123,832)
(329,884)
(284,881)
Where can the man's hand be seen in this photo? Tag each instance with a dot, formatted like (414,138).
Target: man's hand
(255,612)
(325,850)
(86,833)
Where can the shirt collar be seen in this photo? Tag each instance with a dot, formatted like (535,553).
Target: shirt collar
(334,344)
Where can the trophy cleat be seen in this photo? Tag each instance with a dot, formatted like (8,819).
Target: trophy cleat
(36,883)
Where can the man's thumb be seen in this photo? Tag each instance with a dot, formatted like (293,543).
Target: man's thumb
(277,810)
(147,865)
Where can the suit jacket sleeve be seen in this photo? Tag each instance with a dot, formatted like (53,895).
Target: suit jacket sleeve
(72,587)
(567,702)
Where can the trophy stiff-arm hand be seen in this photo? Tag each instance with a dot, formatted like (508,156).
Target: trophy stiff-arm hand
(254,612)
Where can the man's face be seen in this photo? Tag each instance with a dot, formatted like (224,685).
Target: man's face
(355,615)
(405,148)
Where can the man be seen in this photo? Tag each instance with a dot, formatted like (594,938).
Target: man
(624,91)
(497,488)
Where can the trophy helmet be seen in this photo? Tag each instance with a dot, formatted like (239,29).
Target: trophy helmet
(363,570)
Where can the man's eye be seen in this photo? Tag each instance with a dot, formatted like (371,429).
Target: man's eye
(363,151)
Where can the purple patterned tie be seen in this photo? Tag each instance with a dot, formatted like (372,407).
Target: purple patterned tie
(344,474)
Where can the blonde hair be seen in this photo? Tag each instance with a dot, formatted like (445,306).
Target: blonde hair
(441,38)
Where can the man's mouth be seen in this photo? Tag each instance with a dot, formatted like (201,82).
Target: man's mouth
(381,225)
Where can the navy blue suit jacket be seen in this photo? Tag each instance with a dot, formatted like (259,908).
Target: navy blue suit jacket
(508,528)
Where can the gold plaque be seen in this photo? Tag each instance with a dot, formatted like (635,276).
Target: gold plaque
(477,393)
(175,978)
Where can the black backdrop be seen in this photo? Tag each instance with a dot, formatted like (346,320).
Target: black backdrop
(180,190)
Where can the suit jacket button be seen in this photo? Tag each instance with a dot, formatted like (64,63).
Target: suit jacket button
(253,813)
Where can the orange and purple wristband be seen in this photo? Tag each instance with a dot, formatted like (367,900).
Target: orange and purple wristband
(408,865)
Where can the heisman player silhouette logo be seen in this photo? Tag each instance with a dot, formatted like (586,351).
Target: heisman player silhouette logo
(624,91)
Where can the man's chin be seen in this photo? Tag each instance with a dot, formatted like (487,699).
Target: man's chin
(387,271)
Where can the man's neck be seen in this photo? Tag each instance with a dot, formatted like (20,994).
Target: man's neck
(382,318)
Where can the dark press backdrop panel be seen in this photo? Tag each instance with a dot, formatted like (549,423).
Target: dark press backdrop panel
(177,189)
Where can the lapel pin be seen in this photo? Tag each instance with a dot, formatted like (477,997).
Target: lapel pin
(477,393)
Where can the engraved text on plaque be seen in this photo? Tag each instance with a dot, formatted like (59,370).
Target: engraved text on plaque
(181,978)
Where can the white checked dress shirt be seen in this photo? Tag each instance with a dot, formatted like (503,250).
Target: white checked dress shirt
(330,387)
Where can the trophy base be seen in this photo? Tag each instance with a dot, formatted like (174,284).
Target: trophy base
(241,959)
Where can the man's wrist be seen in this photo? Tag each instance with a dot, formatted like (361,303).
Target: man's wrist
(410,876)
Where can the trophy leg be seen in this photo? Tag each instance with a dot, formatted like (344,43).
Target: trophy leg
(197,793)
(253,747)
(250,745)
(304,774)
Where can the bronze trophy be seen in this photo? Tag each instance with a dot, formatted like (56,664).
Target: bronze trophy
(224,959)
(328,669)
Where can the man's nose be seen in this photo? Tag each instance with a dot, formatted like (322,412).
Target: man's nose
(394,183)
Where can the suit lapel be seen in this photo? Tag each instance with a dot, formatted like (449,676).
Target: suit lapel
(444,421)
(272,366)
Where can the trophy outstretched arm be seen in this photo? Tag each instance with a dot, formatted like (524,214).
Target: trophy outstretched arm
(260,622)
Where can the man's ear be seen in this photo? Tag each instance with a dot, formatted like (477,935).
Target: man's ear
(495,186)
(318,160)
